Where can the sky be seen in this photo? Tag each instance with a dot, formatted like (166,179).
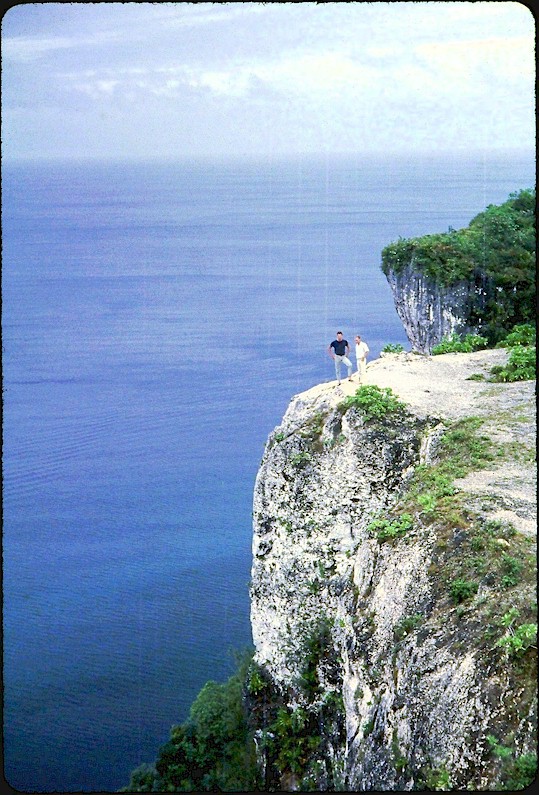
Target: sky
(185,80)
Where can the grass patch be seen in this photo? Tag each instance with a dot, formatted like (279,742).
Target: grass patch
(471,551)
(388,530)
(464,450)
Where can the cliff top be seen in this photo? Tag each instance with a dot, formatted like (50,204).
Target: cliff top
(439,387)
(435,385)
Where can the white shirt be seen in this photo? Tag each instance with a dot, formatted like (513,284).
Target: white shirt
(362,350)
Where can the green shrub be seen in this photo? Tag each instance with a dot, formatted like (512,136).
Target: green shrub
(300,459)
(428,502)
(516,773)
(521,773)
(511,568)
(292,739)
(517,641)
(457,344)
(387,529)
(256,682)
(438,780)
(510,617)
(406,625)
(521,365)
(373,401)
(212,751)
(393,348)
(522,334)
(142,779)
(318,644)
(461,590)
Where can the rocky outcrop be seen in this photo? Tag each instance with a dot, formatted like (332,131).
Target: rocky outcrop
(430,311)
(375,672)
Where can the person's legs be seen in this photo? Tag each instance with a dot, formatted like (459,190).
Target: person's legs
(348,364)
(362,369)
(338,367)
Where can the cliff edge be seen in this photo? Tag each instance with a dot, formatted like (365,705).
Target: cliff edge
(392,588)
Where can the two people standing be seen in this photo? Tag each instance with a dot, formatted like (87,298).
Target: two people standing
(339,350)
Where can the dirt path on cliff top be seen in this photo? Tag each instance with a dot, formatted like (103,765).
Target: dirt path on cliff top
(438,387)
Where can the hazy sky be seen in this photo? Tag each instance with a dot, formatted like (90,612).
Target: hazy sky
(184,79)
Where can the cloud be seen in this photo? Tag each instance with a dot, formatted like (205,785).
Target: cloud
(356,69)
(208,13)
(302,74)
(120,24)
(426,72)
(23,49)
(509,59)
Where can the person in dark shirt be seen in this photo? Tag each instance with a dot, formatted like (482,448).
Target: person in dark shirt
(339,350)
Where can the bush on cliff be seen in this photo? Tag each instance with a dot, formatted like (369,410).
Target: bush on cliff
(521,365)
(373,401)
(211,751)
(496,252)
(456,344)
(522,334)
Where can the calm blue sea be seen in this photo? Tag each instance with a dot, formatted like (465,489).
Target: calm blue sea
(156,320)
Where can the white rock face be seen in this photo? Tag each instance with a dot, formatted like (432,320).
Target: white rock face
(430,311)
(420,689)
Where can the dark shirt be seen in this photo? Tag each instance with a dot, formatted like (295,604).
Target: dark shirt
(339,347)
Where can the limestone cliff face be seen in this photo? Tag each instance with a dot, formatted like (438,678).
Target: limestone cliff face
(386,681)
(430,311)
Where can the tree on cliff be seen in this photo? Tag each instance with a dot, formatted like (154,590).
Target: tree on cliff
(496,252)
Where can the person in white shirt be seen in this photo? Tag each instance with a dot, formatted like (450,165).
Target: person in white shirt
(362,350)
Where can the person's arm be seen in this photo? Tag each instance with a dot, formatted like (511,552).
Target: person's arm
(330,351)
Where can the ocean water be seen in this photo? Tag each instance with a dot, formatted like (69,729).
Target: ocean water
(156,320)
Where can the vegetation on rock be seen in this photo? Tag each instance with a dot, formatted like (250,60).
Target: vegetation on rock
(373,402)
(496,252)
(521,365)
(212,751)
(458,344)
